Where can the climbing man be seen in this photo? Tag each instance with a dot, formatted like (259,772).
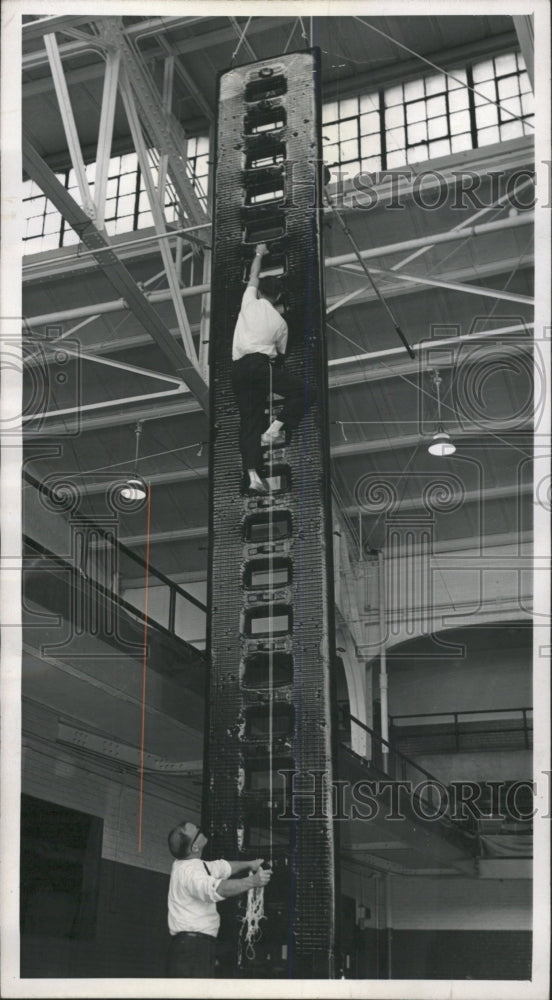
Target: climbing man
(195,888)
(258,349)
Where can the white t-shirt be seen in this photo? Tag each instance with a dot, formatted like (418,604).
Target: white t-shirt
(193,895)
(259,329)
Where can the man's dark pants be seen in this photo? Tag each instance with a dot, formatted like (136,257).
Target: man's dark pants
(251,384)
(191,956)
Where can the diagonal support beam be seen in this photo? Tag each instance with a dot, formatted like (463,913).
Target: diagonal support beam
(105,134)
(164,130)
(69,124)
(158,218)
(115,271)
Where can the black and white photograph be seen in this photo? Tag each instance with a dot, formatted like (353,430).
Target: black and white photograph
(275,499)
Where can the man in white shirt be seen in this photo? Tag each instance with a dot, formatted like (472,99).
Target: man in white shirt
(258,349)
(195,888)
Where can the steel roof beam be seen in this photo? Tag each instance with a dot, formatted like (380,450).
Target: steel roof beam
(116,272)
(69,124)
(368,372)
(162,128)
(44,25)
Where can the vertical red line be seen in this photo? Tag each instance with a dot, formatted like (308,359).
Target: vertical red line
(144,667)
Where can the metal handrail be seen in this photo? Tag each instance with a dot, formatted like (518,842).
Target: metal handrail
(391,749)
(64,564)
(122,547)
(429,780)
(465,711)
(458,727)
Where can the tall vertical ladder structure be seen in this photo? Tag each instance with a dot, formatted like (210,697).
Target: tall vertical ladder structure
(271,705)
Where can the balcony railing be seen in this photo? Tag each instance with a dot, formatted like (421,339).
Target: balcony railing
(460,732)
(98,557)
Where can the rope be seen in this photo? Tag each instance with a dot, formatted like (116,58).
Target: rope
(270,635)
(144,676)
(252,921)
(254,913)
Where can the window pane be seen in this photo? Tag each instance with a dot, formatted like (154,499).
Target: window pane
(459,99)
(437,128)
(487,135)
(513,104)
(127,184)
(511,130)
(369,146)
(525,84)
(396,139)
(527,104)
(416,112)
(435,84)
(112,186)
(128,163)
(70,237)
(508,87)
(436,106)
(486,115)
(369,102)
(349,150)
(123,225)
(145,220)
(416,133)
(413,90)
(369,124)
(36,206)
(417,153)
(460,142)
(393,96)
(110,208)
(348,130)
(371,163)
(439,148)
(505,64)
(460,122)
(348,107)
(125,205)
(394,116)
(34,226)
(329,111)
(331,133)
(396,158)
(50,241)
(485,90)
(483,71)
(460,81)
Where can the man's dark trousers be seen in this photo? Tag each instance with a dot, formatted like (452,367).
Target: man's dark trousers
(251,385)
(191,956)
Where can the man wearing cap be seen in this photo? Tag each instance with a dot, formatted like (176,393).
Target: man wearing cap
(195,887)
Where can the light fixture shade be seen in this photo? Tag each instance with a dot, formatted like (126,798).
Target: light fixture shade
(135,489)
(441,445)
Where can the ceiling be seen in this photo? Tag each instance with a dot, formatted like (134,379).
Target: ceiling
(383,408)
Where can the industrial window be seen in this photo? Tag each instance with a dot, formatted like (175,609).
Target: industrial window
(505,81)
(351,131)
(433,116)
(127,206)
